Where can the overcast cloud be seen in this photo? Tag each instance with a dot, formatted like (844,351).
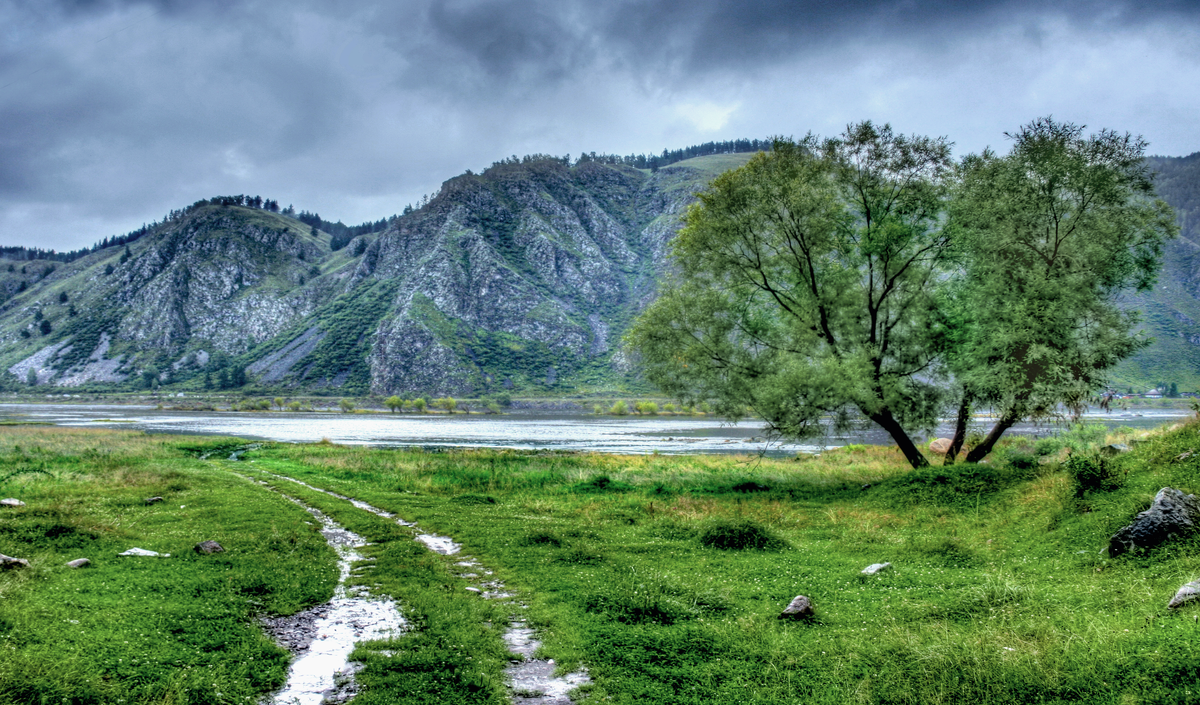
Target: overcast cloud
(113,113)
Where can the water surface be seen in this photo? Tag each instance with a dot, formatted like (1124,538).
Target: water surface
(523,430)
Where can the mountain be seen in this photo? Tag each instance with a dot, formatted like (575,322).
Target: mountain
(523,277)
(1171,311)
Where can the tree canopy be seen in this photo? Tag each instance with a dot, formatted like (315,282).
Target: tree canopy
(869,277)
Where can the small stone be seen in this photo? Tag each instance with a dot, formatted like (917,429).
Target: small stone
(799,608)
(143,552)
(875,568)
(8,562)
(10,502)
(79,563)
(153,500)
(475,590)
(940,445)
(208,547)
(1113,449)
(1186,594)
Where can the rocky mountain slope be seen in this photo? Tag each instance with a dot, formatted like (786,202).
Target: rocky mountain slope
(1171,312)
(523,277)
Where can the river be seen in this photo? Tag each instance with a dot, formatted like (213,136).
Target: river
(525,429)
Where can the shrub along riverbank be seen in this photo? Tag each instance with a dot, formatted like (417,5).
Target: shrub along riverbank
(663,575)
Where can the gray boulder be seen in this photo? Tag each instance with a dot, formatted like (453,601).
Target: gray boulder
(875,568)
(153,500)
(799,608)
(1171,514)
(10,502)
(208,547)
(1186,594)
(8,562)
(79,563)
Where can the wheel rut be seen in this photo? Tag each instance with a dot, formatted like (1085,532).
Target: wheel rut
(532,680)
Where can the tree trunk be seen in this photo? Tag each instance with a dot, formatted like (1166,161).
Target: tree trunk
(888,423)
(980,451)
(960,430)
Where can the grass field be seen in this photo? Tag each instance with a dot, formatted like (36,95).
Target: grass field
(663,575)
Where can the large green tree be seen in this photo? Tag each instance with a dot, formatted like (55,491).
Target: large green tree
(805,287)
(1050,235)
(868,277)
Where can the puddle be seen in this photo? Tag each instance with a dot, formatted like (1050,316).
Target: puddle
(532,680)
(322,637)
(439,544)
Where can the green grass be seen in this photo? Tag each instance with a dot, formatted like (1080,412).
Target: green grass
(176,629)
(663,575)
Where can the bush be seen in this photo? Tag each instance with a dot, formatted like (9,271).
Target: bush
(740,535)
(1089,472)
(619,409)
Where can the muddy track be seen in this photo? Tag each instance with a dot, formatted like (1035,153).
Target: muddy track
(531,680)
(321,638)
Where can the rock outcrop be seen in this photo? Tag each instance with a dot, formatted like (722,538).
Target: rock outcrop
(1172,513)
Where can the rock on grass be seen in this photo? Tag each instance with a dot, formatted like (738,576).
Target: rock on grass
(1172,513)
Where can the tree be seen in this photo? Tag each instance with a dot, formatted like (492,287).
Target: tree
(62,297)
(346,405)
(31,377)
(419,404)
(394,403)
(1050,234)
(805,287)
(44,326)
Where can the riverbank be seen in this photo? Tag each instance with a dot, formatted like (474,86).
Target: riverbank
(662,575)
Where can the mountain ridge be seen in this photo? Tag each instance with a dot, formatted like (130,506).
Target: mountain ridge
(522,278)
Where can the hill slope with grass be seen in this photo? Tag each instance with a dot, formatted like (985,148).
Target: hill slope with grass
(1171,311)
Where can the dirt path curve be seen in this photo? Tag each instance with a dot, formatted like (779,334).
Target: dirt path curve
(532,680)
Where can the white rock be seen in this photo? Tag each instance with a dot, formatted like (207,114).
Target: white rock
(10,502)
(143,552)
(875,568)
(1186,594)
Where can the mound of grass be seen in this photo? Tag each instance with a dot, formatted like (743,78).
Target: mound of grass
(601,483)
(540,538)
(740,535)
(473,499)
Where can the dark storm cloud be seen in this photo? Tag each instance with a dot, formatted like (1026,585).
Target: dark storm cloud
(113,112)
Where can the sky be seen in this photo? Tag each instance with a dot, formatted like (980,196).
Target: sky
(113,113)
